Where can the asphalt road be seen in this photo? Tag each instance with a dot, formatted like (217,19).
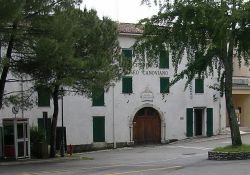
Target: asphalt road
(184,158)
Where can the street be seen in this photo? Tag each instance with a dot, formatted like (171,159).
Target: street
(181,158)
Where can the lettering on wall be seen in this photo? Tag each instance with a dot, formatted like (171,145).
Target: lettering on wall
(150,72)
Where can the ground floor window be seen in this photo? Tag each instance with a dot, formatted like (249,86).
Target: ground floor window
(99,129)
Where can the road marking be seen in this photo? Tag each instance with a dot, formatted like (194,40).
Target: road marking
(145,170)
(191,147)
(67,170)
(114,165)
(226,142)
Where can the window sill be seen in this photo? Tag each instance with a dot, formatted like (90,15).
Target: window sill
(98,106)
(127,93)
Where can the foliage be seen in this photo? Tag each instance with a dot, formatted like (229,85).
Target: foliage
(72,56)
(230,148)
(209,34)
(36,135)
(18,26)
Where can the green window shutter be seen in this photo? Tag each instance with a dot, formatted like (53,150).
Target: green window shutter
(98,99)
(99,129)
(127,85)
(164,85)
(209,122)
(40,123)
(45,127)
(199,86)
(189,122)
(128,54)
(43,97)
(164,59)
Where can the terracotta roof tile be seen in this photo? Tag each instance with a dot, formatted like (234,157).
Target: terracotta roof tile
(129,28)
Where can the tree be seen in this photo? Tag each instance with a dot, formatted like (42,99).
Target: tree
(16,29)
(211,33)
(78,52)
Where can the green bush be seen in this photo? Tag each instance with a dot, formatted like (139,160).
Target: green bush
(36,135)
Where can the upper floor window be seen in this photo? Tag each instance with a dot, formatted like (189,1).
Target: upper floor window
(43,97)
(128,54)
(199,85)
(164,85)
(98,98)
(164,60)
(127,85)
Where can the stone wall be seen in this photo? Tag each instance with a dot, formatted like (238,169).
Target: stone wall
(213,155)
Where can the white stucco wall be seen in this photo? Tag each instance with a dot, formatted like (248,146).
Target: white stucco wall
(78,110)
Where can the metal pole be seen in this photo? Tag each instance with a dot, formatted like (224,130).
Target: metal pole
(22,98)
(62,141)
(113,112)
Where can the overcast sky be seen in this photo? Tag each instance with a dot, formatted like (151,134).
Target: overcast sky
(120,10)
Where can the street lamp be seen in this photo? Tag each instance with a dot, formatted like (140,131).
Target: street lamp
(62,141)
(113,113)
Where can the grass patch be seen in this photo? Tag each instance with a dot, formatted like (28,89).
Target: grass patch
(230,148)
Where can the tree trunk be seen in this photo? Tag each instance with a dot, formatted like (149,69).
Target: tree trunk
(228,63)
(234,127)
(6,66)
(54,122)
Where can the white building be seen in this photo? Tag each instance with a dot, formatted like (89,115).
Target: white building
(139,109)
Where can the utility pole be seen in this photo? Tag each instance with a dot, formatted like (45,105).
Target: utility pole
(62,141)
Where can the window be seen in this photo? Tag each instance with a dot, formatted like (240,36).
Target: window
(128,54)
(164,60)
(44,127)
(127,85)
(43,97)
(199,86)
(99,129)
(98,98)
(164,85)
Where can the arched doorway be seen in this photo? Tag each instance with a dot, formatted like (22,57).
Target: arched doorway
(147,126)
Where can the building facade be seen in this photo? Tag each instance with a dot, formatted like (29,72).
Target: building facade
(241,93)
(139,109)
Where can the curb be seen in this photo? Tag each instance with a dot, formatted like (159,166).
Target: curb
(204,139)
(36,161)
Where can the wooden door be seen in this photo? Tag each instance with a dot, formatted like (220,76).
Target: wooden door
(147,126)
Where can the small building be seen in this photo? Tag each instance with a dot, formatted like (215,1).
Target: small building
(241,93)
(139,109)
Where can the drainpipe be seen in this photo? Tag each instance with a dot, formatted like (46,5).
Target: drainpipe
(219,114)
(113,113)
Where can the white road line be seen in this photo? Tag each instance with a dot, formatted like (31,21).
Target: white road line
(191,147)
(114,165)
(226,142)
(145,170)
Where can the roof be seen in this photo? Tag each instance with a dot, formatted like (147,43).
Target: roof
(129,28)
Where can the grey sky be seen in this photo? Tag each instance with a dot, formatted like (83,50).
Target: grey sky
(120,10)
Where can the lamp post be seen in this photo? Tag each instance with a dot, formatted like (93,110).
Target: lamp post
(62,141)
(113,113)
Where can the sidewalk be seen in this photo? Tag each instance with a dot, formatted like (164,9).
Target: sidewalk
(34,161)
(224,134)
(79,156)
